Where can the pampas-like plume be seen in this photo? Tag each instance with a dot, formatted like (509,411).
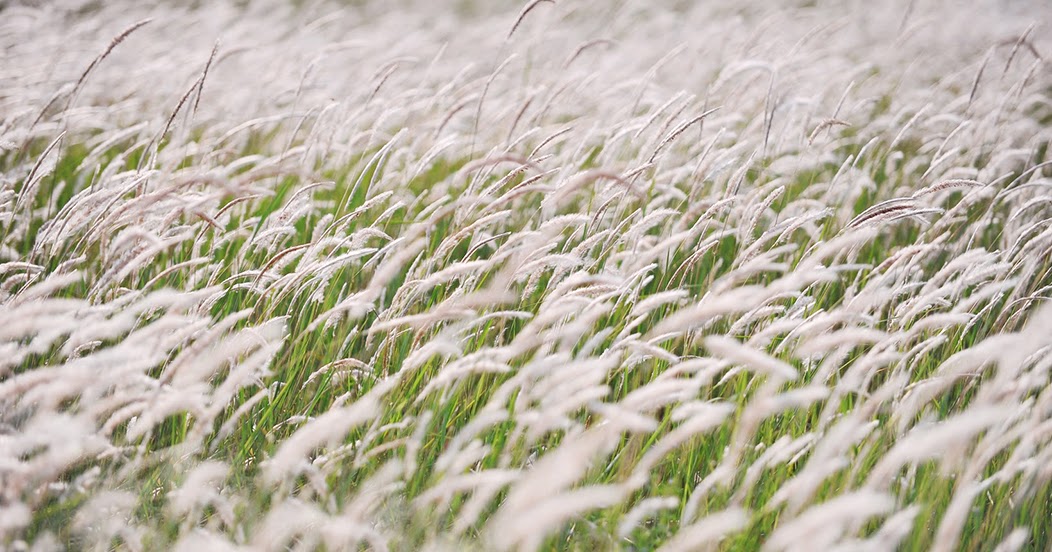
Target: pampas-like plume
(827,123)
(731,349)
(824,525)
(522,14)
(706,533)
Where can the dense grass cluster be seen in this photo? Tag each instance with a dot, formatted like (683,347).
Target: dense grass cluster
(491,275)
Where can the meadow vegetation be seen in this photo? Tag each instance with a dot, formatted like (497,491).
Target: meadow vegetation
(580,275)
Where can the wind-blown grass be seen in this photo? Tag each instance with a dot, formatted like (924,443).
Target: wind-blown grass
(570,275)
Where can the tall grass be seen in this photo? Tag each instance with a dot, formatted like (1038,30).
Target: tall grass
(678,276)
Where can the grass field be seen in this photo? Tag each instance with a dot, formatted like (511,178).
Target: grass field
(408,275)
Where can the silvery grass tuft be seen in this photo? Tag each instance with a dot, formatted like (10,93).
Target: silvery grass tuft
(525,275)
